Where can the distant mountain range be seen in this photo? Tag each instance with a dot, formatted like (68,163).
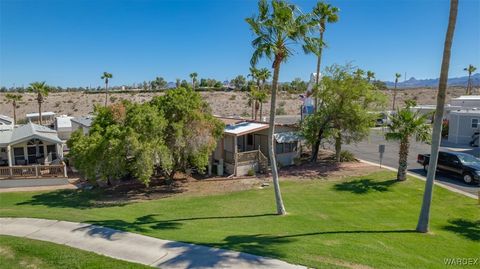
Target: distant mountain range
(416,83)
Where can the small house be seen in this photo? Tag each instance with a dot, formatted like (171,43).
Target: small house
(29,144)
(63,126)
(462,125)
(244,146)
(82,123)
(47,117)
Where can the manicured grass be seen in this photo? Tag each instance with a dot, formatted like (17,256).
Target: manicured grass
(18,252)
(366,220)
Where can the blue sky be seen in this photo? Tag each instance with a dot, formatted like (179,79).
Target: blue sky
(71,42)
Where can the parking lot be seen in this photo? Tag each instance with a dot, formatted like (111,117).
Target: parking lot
(368,150)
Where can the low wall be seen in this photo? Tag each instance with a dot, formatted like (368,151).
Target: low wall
(18,183)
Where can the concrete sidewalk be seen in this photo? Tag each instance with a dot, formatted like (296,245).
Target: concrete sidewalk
(134,247)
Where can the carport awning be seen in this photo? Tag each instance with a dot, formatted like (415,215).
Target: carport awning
(287,137)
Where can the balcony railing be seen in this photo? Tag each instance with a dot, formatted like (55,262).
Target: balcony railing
(33,171)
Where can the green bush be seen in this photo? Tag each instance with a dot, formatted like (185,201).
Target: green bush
(251,172)
(347,156)
(280,111)
(445,129)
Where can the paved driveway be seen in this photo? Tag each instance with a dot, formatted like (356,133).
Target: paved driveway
(368,150)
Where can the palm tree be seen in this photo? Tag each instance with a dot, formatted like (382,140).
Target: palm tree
(262,98)
(264,74)
(470,69)
(194,76)
(276,29)
(106,76)
(254,74)
(322,14)
(397,76)
(41,89)
(405,125)
(370,75)
(14,98)
(424,218)
(359,73)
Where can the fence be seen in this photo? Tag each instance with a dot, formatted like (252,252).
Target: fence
(33,171)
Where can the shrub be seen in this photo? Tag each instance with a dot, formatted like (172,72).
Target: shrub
(280,111)
(445,128)
(251,172)
(347,156)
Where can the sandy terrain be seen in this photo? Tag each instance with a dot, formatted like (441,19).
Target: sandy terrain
(78,103)
(222,103)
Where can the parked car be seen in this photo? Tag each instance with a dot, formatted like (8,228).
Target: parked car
(458,163)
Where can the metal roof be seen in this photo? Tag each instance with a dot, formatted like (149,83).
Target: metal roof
(27,132)
(44,114)
(468,97)
(63,121)
(5,136)
(85,121)
(244,128)
(6,119)
(287,137)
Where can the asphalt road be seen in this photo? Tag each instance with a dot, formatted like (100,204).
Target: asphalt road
(368,150)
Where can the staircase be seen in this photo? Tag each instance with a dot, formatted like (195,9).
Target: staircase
(262,163)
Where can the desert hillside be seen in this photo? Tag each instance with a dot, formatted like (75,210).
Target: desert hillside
(222,103)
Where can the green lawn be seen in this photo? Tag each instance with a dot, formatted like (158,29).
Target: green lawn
(18,252)
(366,220)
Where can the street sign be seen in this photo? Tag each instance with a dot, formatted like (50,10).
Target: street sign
(381,148)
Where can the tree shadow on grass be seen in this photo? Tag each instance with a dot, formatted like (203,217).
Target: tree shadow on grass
(79,199)
(141,224)
(467,228)
(363,186)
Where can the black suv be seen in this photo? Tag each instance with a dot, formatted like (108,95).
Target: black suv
(455,162)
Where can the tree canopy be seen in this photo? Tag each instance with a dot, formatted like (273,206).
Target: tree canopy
(172,133)
(345,101)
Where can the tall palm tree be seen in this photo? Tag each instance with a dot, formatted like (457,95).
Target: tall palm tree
(407,124)
(321,14)
(106,76)
(424,218)
(41,89)
(397,76)
(277,29)
(263,75)
(470,69)
(370,75)
(194,76)
(14,98)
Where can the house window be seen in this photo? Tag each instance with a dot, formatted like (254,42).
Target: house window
(279,148)
(475,123)
(286,147)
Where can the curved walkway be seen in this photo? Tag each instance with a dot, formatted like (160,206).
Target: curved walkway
(134,247)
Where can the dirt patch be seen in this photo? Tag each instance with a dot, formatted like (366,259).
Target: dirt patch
(325,169)
(6,252)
